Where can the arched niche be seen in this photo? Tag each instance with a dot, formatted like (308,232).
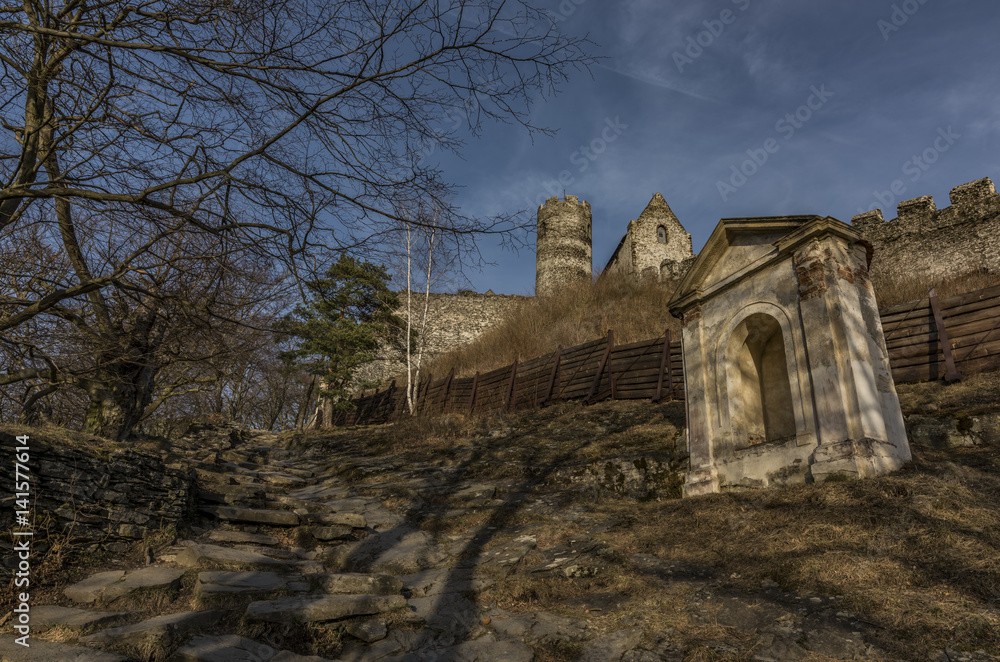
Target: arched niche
(760,392)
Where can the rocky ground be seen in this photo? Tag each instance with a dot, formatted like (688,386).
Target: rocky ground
(552,538)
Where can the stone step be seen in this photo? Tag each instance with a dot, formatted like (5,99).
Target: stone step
(222,535)
(269,517)
(319,608)
(11,651)
(196,555)
(358,583)
(231,494)
(294,503)
(231,647)
(114,584)
(344,519)
(276,552)
(280,478)
(313,492)
(248,582)
(289,469)
(163,630)
(45,617)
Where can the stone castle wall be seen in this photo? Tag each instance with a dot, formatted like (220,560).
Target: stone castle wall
(936,243)
(453,321)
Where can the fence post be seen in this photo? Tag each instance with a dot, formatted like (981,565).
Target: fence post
(664,366)
(447,390)
(552,377)
(951,374)
(420,406)
(510,387)
(475,389)
(600,369)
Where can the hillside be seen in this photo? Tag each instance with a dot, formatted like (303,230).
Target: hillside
(555,536)
(636,310)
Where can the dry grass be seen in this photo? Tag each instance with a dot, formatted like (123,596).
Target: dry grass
(916,555)
(908,286)
(974,394)
(634,309)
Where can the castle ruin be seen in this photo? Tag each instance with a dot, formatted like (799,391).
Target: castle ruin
(563,252)
(655,245)
(961,238)
(937,243)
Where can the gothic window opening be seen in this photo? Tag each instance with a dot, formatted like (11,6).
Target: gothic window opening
(661,234)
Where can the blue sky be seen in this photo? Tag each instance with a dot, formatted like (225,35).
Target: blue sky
(824,104)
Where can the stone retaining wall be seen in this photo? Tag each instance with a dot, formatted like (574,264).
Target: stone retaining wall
(112,499)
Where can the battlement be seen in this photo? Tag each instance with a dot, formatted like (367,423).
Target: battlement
(572,199)
(969,202)
(973,194)
(961,238)
(916,210)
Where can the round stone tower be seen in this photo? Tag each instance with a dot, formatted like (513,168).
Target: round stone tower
(563,251)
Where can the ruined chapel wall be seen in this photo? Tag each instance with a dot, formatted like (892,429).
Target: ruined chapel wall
(937,243)
(648,254)
(640,251)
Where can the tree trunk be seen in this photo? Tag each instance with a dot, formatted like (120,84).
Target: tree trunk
(118,400)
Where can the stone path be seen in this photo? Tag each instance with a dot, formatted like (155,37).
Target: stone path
(287,544)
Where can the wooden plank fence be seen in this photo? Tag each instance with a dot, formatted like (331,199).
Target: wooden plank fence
(968,325)
(970,329)
(595,370)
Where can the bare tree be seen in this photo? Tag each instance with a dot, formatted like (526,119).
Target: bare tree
(426,255)
(282,128)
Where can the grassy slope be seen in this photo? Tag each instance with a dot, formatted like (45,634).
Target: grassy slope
(635,310)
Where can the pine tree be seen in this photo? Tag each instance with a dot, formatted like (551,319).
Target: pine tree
(350,312)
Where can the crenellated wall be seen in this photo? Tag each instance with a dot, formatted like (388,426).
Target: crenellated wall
(961,238)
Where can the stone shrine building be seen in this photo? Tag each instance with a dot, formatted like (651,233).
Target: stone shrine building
(786,371)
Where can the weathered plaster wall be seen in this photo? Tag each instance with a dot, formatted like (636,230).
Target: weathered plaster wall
(785,367)
(937,243)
